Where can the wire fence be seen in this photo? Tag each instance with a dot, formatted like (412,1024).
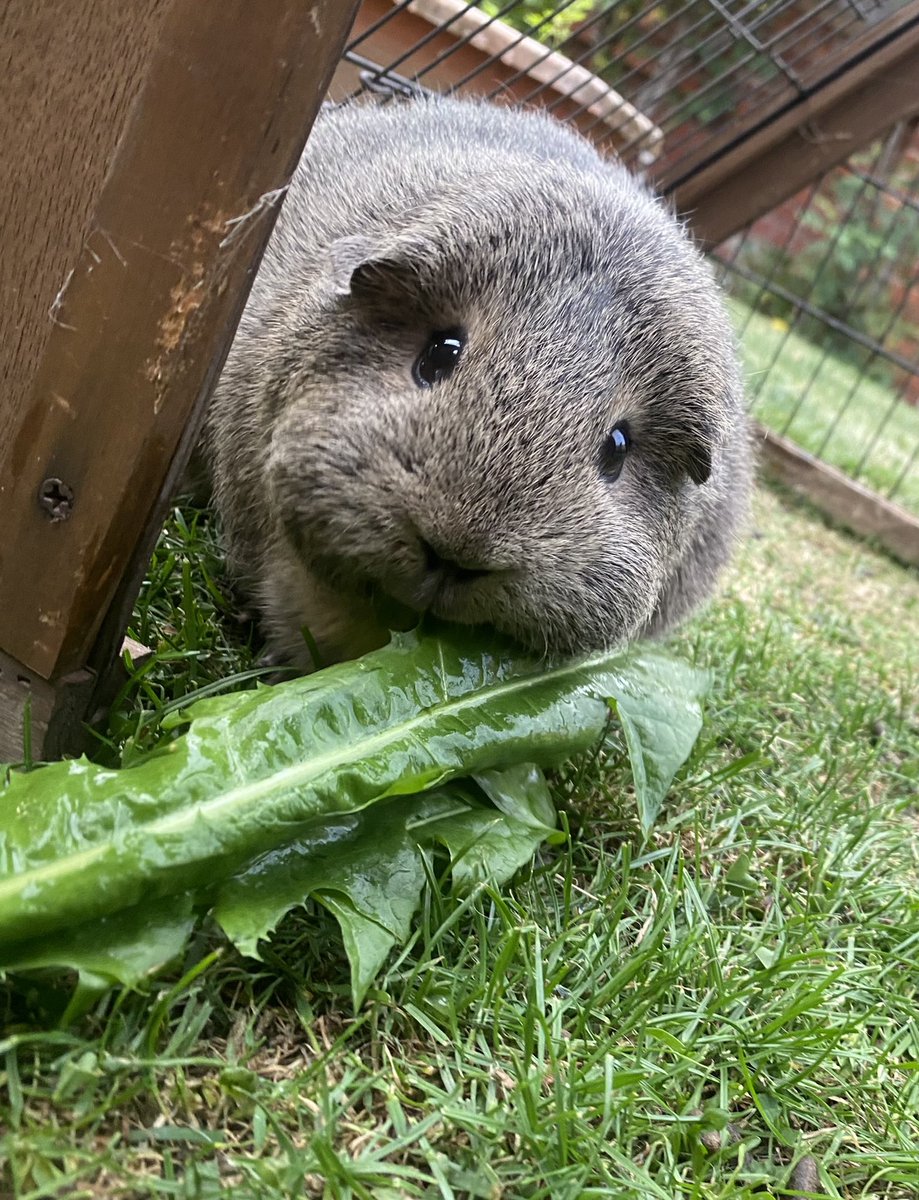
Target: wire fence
(826,292)
(824,288)
(693,67)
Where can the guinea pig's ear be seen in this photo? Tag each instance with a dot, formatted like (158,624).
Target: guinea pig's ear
(370,270)
(698,459)
(687,452)
(343,258)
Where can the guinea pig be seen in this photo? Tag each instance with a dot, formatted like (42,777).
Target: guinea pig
(482,372)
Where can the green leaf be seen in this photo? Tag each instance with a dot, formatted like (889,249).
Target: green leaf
(121,948)
(321,786)
(774,1113)
(125,947)
(657,701)
(739,877)
(369,869)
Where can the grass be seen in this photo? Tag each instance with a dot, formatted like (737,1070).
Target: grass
(875,436)
(727,1009)
(202,644)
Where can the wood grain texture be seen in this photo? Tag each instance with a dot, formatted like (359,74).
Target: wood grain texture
(69,73)
(847,502)
(43,721)
(40,720)
(143,325)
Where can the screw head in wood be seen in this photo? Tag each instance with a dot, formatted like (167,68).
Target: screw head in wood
(55,498)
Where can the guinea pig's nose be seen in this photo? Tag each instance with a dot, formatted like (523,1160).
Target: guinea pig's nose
(437,563)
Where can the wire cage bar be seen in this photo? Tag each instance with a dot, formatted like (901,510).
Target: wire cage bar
(692,68)
(826,293)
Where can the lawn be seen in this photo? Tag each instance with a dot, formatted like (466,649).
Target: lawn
(727,1008)
(857,424)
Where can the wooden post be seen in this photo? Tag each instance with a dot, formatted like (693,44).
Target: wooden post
(844,500)
(145,152)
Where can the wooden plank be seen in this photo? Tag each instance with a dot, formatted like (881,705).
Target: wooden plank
(39,720)
(141,326)
(845,67)
(65,99)
(841,498)
(725,192)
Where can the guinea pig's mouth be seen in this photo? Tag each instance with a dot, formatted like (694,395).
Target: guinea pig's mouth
(451,598)
(399,598)
(400,589)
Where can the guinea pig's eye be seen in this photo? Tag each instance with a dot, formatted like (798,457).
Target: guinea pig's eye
(612,454)
(438,359)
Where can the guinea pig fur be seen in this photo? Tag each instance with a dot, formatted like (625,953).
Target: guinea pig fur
(484,373)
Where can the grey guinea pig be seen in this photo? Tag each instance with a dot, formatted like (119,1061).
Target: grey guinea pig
(482,372)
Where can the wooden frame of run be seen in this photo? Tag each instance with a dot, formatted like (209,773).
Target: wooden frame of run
(145,150)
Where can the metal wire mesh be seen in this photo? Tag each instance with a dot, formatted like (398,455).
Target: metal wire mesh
(827,298)
(825,289)
(692,67)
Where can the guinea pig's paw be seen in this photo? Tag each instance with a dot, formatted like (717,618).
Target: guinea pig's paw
(271,658)
(243,616)
(277,666)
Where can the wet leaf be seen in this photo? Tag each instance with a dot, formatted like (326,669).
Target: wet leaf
(339,785)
